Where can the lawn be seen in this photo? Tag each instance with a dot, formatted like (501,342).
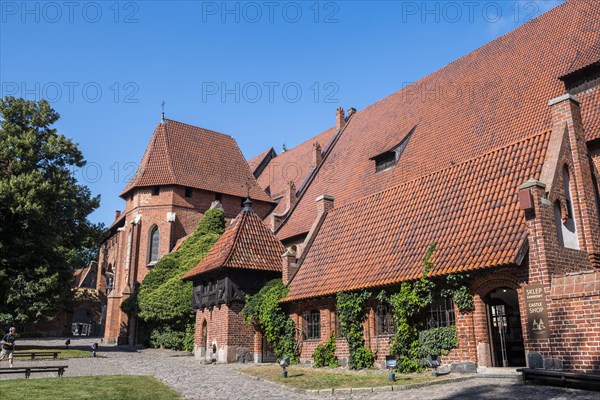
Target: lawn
(108,387)
(324,378)
(71,353)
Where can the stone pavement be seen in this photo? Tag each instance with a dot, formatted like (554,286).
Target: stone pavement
(221,382)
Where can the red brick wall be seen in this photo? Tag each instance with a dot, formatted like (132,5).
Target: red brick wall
(235,340)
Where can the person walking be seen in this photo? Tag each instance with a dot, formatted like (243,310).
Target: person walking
(8,346)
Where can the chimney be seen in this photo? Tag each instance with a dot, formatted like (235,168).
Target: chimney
(317,154)
(290,195)
(340,119)
(289,266)
(117,214)
(324,204)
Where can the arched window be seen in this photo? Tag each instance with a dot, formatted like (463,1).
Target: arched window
(564,215)
(154,241)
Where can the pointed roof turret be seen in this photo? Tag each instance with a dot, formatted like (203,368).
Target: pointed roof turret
(247,243)
(186,155)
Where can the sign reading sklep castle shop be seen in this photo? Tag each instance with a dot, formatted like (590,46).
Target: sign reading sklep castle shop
(537,313)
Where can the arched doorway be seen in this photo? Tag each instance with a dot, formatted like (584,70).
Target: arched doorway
(504,326)
(204,338)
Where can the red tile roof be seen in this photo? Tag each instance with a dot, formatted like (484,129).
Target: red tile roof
(493,96)
(186,155)
(470,210)
(255,162)
(292,165)
(247,243)
(590,113)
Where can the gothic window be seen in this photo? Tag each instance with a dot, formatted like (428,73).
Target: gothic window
(312,321)
(596,193)
(219,196)
(155,190)
(188,192)
(110,280)
(337,325)
(154,241)
(385,320)
(441,313)
(564,214)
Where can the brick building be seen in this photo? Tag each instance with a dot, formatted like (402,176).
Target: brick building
(183,171)
(245,257)
(495,157)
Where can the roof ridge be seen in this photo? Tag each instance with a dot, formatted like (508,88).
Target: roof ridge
(313,173)
(168,151)
(440,171)
(198,127)
(470,53)
(238,229)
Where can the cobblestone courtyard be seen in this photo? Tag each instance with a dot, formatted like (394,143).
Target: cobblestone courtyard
(219,382)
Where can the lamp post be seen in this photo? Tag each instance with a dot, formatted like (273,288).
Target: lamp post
(284,363)
(391,363)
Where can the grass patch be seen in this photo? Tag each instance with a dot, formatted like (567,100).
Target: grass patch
(108,387)
(322,378)
(63,353)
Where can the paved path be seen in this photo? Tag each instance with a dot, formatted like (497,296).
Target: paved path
(221,382)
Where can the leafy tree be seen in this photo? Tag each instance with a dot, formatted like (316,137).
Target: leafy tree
(44,229)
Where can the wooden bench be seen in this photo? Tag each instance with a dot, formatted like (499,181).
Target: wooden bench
(34,354)
(60,369)
(564,378)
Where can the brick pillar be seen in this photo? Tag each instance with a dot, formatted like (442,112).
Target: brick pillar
(317,154)
(289,266)
(340,119)
(566,114)
(324,204)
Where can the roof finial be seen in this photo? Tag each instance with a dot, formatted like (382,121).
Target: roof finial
(162,118)
(247,205)
(284,148)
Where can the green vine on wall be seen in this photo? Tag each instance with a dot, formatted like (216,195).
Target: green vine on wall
(264,311)
(457,288)
(351,309)
(324,355)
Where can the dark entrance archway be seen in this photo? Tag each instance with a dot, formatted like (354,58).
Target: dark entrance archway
(504,326)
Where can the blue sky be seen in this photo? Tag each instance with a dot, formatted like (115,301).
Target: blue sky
(265,72)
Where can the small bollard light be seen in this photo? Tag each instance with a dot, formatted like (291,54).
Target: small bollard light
(94,349)
(390,363)
(67,343)
(434,362)
(284,363)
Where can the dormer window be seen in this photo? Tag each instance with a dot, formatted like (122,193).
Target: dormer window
(385,161)
(388,159)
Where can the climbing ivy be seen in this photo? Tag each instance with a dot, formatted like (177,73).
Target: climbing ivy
(437,341)
(264,311)
(407,306)
(324,355)
(163,302)
(352,313)
(457,288)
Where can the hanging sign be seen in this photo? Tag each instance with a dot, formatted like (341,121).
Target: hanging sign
(537,312)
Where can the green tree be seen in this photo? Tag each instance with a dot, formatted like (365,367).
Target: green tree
(44,228)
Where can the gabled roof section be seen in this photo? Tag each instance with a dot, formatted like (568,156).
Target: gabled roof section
(247,243)
(292,165)
(493,96)
(186,155)
(259,163)
(470,210)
